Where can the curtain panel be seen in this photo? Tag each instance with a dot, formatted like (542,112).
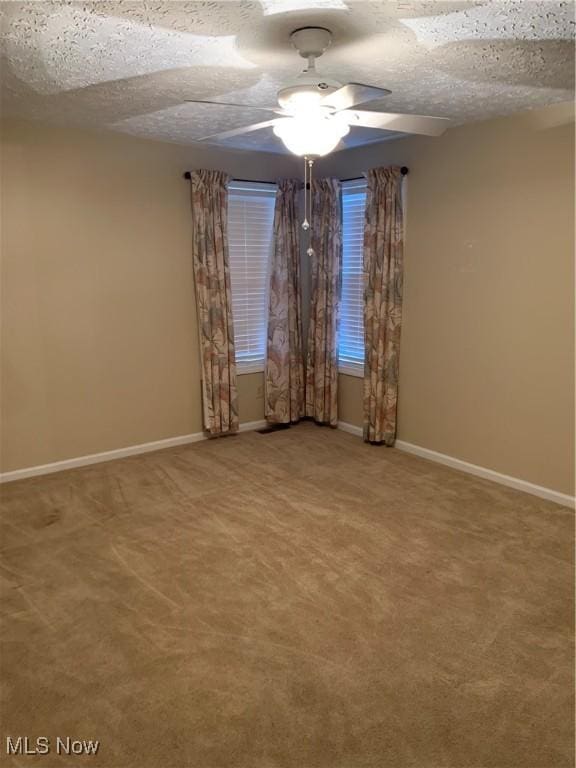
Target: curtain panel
(214,300)
(284,374)
(322,353)
(383,276)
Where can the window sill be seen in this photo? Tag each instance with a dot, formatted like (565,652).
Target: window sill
(244,369)
(352,370)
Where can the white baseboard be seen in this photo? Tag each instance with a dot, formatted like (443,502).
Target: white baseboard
(118,453)
(351,428)
(474,469)
(171,442)
(252,426)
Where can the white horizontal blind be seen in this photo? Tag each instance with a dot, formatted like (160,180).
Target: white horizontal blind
(351,335)
(250,224)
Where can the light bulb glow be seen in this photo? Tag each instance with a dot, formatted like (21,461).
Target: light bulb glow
(311,136)
(302,101)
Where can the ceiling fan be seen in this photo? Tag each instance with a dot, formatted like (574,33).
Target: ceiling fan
(315,111)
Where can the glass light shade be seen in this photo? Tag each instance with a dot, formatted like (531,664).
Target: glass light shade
(311,136)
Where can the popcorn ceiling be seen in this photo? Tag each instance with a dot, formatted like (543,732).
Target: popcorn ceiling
(127,66)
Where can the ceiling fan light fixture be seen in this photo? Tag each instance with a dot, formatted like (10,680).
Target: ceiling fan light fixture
(311,137)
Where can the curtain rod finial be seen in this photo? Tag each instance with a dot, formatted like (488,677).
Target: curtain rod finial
(404,170)
(187,175)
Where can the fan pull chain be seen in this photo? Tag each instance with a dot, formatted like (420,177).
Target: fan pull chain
(305,223)
(308,191)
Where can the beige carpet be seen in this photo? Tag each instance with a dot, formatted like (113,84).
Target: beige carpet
(293,600)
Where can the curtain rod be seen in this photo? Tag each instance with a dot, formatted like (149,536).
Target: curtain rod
(188,176)
(403,170)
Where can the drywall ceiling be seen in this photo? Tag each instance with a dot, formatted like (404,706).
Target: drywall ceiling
(127,66)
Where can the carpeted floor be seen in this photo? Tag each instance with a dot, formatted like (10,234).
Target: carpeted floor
(292,600)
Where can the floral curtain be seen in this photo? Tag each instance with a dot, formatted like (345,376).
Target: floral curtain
(383,273)
(284,376)
(214,301)
(322,357)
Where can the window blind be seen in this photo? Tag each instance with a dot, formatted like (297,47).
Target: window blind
(250,224)
(351,335)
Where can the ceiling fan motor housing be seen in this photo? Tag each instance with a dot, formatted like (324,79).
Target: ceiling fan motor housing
(307,83)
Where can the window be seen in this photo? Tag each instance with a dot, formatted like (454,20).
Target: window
(250,224)
(351,336)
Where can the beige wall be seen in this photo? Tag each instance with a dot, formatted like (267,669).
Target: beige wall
(350,399)
(251,396)
(99,345)
(99,337)
(487,357)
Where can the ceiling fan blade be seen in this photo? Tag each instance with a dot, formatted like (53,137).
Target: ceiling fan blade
(229,104)
(239,131)
(390,121)
(353,93)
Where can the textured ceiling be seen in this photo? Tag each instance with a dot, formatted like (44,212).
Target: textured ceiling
(127,66)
